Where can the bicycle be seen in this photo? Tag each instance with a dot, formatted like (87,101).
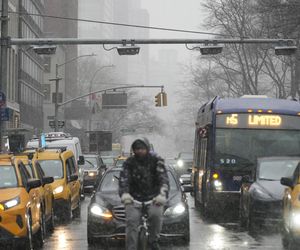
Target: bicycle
(144,226)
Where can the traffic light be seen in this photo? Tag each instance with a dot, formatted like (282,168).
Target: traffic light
(158,100)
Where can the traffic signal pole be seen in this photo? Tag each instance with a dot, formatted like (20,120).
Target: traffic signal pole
(4,47)
(57,41)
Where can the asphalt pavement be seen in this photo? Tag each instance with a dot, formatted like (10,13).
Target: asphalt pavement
(211,235)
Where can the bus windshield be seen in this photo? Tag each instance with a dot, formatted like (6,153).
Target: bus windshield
(241,147)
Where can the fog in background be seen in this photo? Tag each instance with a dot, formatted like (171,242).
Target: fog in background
(156,64)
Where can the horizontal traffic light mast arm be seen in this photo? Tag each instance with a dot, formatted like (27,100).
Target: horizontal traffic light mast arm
(110,89)
(56,41)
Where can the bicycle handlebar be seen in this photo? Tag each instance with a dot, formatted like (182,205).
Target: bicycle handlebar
(145,203)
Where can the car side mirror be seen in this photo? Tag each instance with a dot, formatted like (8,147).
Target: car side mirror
(47,180)
(81,160)
(33,183)
(190,170)
(187,188)
(287,182)
(247,179)
(73,177)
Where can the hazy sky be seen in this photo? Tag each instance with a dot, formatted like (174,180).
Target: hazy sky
(177,14)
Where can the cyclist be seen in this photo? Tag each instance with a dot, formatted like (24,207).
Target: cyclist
(143,178)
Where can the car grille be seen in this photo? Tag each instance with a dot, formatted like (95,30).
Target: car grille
(119,212)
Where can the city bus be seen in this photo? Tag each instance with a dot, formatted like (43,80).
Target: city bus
(230,135)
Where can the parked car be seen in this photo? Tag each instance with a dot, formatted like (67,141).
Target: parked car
(262,194)
(291,210)
(45,190)
(20,205)
(106,213)
(93,169)
(60,164)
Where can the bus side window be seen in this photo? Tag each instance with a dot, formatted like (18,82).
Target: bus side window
(203,153)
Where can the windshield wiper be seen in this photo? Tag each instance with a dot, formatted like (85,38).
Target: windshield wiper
(90,163)
(266,179)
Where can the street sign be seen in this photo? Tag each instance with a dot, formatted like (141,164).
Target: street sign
(4,114)
(114,101)
(2,99)
(127,130)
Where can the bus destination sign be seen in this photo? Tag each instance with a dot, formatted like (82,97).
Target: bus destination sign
(267,121)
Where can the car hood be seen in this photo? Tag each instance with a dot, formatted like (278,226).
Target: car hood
(112,199)
(272,188)
(9,193)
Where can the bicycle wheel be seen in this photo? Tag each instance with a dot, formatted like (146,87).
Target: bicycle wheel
(143,239)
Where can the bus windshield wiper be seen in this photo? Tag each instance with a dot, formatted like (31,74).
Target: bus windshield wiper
(266,179)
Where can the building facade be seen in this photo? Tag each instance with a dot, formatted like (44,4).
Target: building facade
(30,66)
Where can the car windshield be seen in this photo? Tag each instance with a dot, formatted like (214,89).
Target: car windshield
(108,160)
(8,177)
(52,168)
(275,169)
(241,147)
(91,160)
(110,182)
(90,163)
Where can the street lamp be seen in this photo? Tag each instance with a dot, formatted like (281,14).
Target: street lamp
(91,85)
(57,79)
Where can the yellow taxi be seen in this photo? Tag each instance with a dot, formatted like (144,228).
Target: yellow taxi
(46,192)
(291,211)
(20,205)
(60,164)
(119,161)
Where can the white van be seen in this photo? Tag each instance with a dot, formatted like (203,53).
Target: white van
(59,139)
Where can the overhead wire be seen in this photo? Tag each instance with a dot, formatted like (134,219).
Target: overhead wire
(122,24)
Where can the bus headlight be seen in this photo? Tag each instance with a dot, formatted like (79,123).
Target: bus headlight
(218,185)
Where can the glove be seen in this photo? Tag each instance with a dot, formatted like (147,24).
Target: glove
(126,198)
(161,199)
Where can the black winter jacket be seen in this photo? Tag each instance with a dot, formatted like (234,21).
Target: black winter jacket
(143,179)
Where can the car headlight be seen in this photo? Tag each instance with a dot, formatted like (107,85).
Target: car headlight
(180,163)
(58,190)
(9,204)
(100,211)
(176,210)
(295,220)
(181,180)
(92,173)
